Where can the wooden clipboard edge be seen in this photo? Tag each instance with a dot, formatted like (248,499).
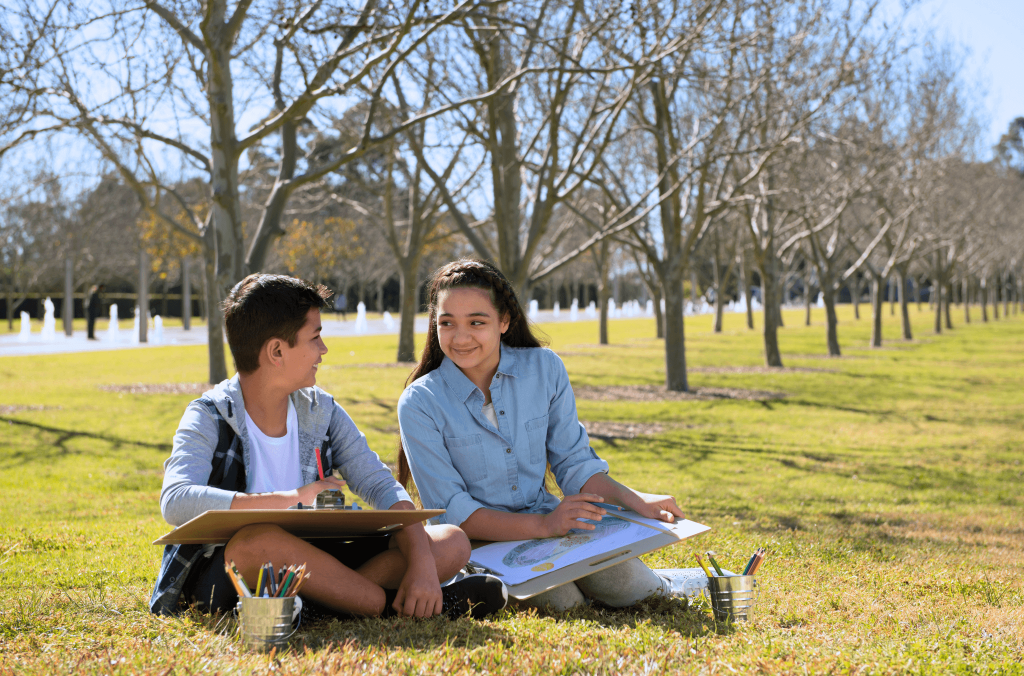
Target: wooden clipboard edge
(598,562)
(421,514)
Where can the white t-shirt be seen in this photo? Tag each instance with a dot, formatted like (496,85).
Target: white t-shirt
(274,461)
(489,413)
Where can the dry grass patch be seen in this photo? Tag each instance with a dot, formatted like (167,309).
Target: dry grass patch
(159,388)
(759,370)
(646,393)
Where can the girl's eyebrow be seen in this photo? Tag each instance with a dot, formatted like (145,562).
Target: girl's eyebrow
(471,314)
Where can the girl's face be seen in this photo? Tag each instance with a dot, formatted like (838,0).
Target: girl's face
(469,329)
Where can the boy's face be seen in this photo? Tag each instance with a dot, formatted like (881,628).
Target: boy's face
(299,363)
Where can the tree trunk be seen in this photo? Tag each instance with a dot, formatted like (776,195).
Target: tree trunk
(143,306)
(828,297)
(675,336)
(603,293)
(983,290)
(780,298)
(772,314)
(995,299)
(807,301)
(965,293)
(659,316)
(876,310)
(854,286)
(935,299)
(408,283)
(745,292)
(901,280)
(891,293)
(68,309)
(917,292)
(717,282)
(214,322)
(693,285)
(1005,284)
(186,294)
(948,296)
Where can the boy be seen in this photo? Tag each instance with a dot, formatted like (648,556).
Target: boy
(250,443)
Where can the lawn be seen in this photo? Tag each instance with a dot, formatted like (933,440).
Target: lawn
(886,484)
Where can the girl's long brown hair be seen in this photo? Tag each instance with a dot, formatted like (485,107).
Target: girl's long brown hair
(467,272)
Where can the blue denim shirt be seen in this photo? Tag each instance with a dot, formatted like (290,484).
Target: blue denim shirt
(462,463)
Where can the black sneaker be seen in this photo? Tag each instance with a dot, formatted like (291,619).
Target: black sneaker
(478,595)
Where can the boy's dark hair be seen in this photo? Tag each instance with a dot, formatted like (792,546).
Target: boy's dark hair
(261,307)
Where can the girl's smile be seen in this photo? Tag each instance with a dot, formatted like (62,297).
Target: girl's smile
(469,332)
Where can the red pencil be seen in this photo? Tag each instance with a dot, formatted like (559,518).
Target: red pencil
(319,465)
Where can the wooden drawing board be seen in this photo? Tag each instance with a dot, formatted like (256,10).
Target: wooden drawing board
(545,581)
(217,526)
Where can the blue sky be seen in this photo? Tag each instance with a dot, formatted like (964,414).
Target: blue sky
(993,30)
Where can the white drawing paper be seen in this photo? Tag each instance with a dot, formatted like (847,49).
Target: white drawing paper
(522,560)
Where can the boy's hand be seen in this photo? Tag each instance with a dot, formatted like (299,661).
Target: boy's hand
(661,507)
(419,595)
(307,494)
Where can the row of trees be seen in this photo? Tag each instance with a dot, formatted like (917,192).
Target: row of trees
(722,139)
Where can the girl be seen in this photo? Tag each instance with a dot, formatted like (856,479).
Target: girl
(488,408)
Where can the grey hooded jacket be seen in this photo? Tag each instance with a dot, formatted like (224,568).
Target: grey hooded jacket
(210,459)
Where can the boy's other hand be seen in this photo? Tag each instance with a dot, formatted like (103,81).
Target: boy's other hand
(419,595)
(307,494)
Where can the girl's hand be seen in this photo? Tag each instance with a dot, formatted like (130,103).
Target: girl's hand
(661,507)
(565,517)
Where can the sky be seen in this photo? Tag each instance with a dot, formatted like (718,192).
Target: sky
(993,31)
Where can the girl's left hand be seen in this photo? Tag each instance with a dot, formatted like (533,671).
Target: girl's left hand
(661,507)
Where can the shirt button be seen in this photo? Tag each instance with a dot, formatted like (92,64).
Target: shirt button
(508,450)
(502,413)
(515,488)
(497,375)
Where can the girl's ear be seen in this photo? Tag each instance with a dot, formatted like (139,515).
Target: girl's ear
(505,322)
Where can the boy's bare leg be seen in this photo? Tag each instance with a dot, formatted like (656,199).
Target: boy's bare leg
(332,583)
(448,544)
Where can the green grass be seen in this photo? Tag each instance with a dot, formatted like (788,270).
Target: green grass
(887,486)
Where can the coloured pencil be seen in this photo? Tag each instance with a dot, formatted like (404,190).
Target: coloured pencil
(241,580)
(753,557)
(711,558)
(290,575)
(234,580)
(759,561)
(707,571)
(319,465)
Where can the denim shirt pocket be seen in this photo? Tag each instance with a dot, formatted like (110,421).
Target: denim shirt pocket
(467,455)
(537,434)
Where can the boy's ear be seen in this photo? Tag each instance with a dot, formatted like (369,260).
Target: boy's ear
(273,351)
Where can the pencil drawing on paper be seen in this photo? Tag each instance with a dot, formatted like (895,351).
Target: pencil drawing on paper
(540,555)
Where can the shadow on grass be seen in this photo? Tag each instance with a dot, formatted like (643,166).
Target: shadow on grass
(400,632)
(63,436)
(666,614)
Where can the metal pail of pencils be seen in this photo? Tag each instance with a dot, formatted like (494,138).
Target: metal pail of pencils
(266,622)
(732,597)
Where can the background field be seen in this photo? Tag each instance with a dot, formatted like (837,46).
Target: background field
(887,485)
